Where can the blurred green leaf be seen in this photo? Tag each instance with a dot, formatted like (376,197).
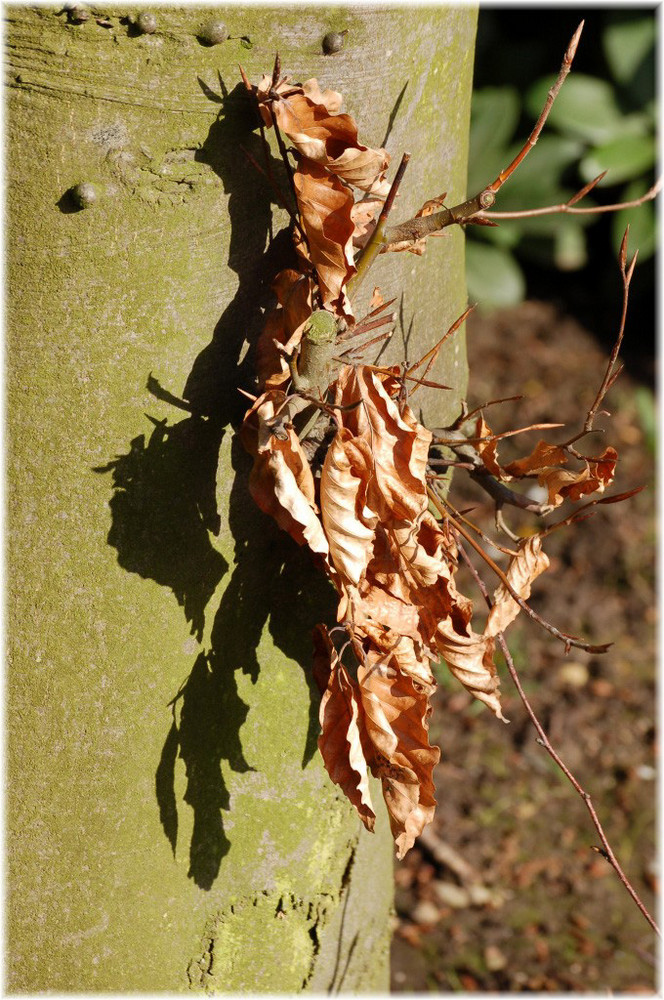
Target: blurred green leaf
(586,108)
(493,277)
(570,252)
(627,43)
(495,115)
(536,183)
(506,234)
(562,247)
(625,159)
(543,168)
(641,222)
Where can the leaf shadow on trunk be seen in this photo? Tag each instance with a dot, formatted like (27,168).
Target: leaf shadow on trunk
(164,514)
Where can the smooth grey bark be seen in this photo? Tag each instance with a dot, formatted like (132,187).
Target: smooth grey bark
(197,845)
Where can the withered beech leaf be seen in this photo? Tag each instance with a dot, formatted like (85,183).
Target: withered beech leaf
(398,444)
(331,161)
(311,121)
(487,450)
(364,214)
(341,720)
(372,604)
(563,484)
(396,719)
(348,524)
(271,366)
(407,654)
(281,482)
(284,326)
(469,657)
(523,568)
(325,207)
(543,456)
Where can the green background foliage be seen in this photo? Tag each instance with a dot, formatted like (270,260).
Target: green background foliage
(603,119)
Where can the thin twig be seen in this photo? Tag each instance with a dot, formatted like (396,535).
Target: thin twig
(374,245)
(474,527)
(539,125)
(543,740)
(492,402)
(358,350)
(431,355)
(568,206)
(611,374)
(452,439)
(420,227)
(444,508)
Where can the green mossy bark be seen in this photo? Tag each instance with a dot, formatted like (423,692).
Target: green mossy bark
(199,846)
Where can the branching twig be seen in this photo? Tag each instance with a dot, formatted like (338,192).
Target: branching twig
(444,509)
(431,355)
(611,373)
(543,740)
(568,206)
(502,494)
(421,227)
(374,245)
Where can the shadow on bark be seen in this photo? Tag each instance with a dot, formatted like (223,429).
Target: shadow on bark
(164,513)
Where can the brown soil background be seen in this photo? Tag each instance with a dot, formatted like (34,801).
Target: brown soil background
(537,910)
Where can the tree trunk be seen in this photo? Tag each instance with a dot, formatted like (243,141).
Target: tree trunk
(171,826)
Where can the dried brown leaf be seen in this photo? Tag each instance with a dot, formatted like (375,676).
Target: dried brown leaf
(281,481)
(542,456)
(398,445)
(396,719)
(325,206)
(348,523)
(469,657)
(283,327)
(523,568)
(487,450)
(342,724)
(595,477)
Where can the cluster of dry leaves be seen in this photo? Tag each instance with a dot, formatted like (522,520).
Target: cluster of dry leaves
(360,498)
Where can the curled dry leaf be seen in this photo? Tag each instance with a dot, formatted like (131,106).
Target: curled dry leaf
(396,717)
(325,208)
(330,163)
(487,449)
(311,120)
(469,657)
(398,445)
(595,477)
(342,728)
(281,481)
(543,456)
(348,523)
(283,327)
(523,568)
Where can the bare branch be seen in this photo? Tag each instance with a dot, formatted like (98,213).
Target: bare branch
(568,640)
(373,247)
(418,228)
(611,373)
(568,207)
(606,851)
